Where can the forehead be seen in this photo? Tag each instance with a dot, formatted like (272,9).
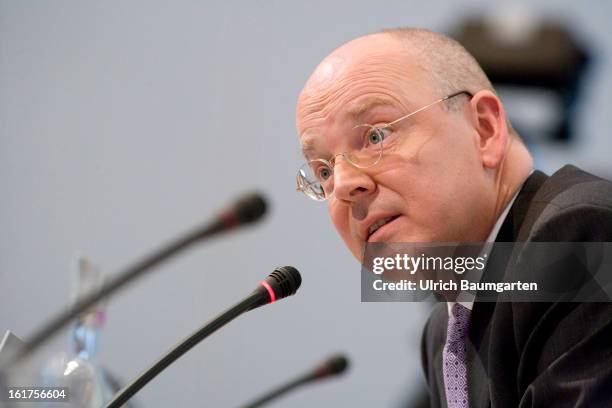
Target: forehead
(338,84)
(374,72)
(378,93)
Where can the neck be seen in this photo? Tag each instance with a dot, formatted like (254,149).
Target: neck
(510,176)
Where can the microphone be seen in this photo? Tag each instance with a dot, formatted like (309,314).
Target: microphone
(243,211)
(333,366)
(283,282)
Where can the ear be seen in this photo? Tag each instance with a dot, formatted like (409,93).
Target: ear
(490,124)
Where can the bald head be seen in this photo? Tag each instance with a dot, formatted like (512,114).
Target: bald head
(359,59)
(442,61)
(445,174)
(449,65)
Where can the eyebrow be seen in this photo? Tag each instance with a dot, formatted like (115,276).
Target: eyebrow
(353,113)
(356,111)
(307,145)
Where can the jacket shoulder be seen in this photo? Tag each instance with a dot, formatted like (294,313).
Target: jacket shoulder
(571,205)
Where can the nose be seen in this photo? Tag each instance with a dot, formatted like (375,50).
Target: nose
(351,183)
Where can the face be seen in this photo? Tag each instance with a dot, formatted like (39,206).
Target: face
(430,186)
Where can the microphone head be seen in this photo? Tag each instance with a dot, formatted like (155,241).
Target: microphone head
(249,208)
(337,364)
(334,365)
(284,281)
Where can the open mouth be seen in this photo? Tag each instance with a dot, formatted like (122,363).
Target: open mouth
(379,226)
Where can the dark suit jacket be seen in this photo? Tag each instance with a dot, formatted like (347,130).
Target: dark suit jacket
(554,354)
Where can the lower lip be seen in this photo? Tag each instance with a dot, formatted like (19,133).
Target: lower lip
(379,234)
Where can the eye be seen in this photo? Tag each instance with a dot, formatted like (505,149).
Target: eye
(323,173)
(377,134)
(319,171)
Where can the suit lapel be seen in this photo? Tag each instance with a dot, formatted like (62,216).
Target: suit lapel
(482,312)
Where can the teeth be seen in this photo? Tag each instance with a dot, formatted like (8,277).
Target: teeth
(378,224)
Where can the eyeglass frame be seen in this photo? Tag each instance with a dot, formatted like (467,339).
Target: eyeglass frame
(302,188)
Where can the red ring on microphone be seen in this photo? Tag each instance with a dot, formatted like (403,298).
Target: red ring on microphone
(228,219)
(269,289)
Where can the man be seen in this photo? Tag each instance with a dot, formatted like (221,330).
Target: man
(407,141)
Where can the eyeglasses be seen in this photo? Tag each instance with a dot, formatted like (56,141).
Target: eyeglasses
(316,177)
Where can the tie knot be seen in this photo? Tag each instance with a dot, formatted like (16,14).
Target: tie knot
(460,312)
(458,323)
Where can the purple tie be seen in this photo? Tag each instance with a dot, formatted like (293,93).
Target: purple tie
(454,358)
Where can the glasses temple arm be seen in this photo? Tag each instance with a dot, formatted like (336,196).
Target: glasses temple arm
(431,104)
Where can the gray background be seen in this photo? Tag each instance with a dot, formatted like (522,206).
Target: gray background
(124,123)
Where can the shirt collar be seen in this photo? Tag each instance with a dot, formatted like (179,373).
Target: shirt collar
(467,299)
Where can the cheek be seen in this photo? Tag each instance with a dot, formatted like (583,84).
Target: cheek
(340,215)
(432,185)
